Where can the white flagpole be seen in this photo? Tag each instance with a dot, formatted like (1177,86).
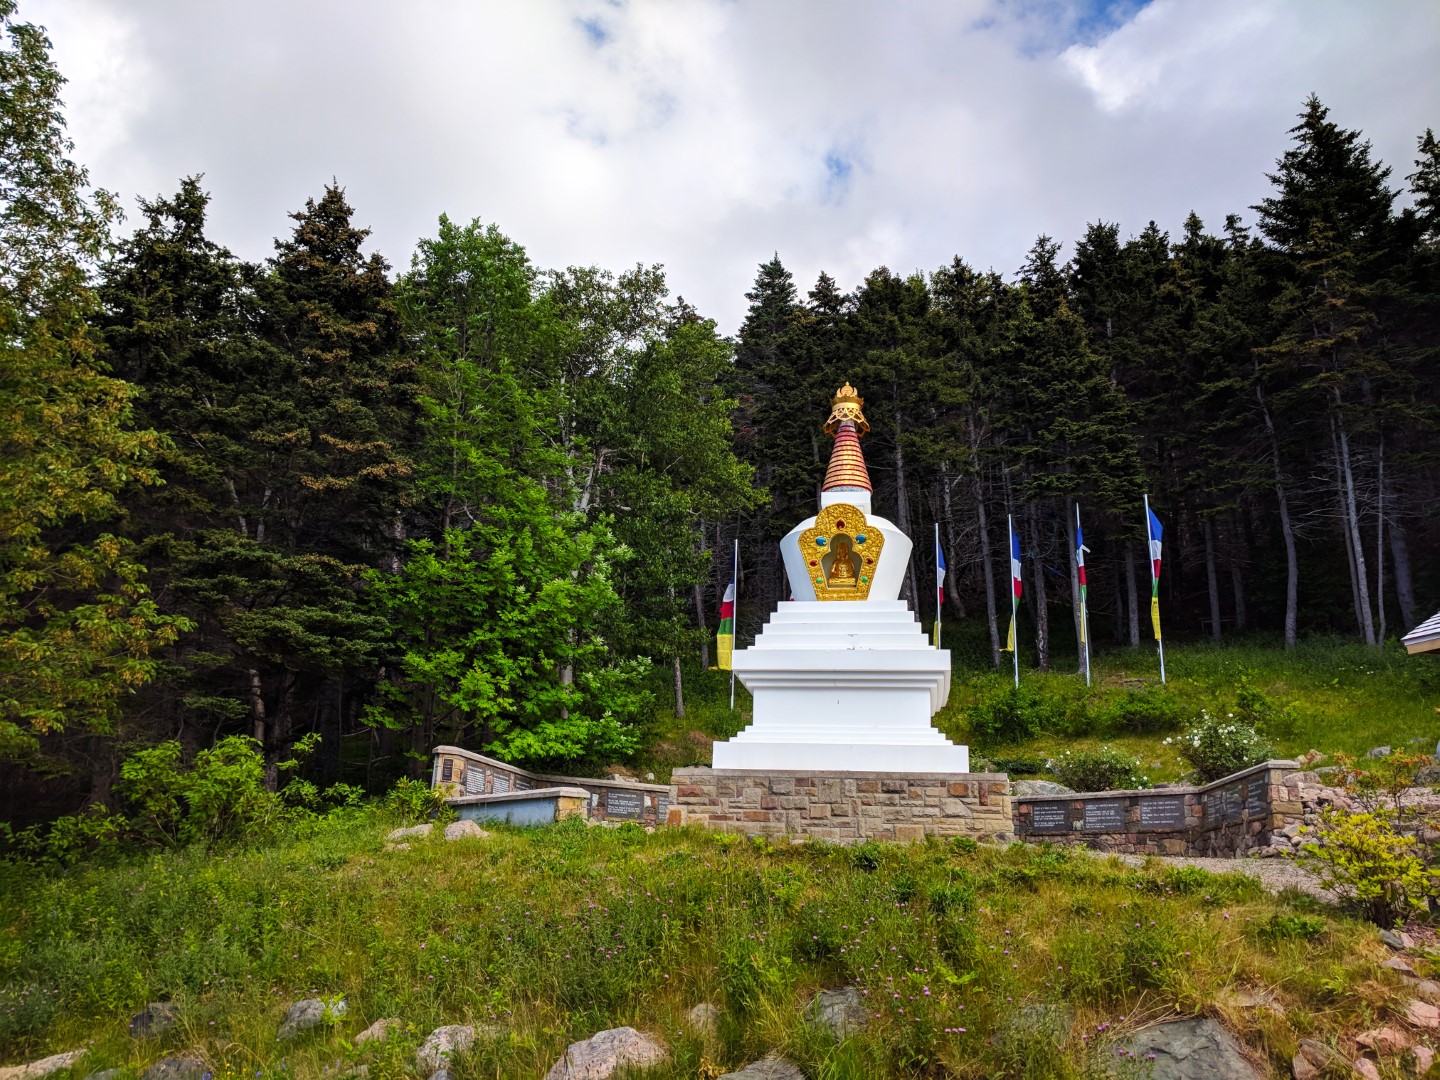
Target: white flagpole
(1084,606)
(1014,605)
(734,613)
(937,585)
(1150,558)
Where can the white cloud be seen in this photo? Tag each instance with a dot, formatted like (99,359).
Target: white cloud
(697,132)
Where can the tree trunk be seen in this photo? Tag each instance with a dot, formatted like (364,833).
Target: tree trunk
(902,507)
(1352,520)
(1404,589)
(1237,585)
(257,707)
(679,688)
(1075,605)
(1212,580)
(1380,542)
(1287,531)
(1132,601)
(988,566)
(1042,614)
(700,623)
(1117,633)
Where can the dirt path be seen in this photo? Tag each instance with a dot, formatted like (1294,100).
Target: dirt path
(1274,874)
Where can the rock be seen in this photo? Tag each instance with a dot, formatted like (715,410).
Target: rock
(307,1014)
(459,830)
(1385,1040)
(1039,787)
(1312,1059)
(413,830)
(1191,1050)
(768,1069)
(1427,776)
(1378,752)
(1257,998)
(1422,1057)
(1422,1014)
(1054,1022)
(842,1011)
(440,1044)
(379,1031)
(704,1019)
(1400,964)
(440,1074)
(106,1074)
(44,1067)
(605,1052)
(176,1068)
(1309,757)
(1389,937)
(1428,989)
(155,1019)
(1366,1068)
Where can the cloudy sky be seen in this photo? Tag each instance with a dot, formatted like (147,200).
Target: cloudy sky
(706,134)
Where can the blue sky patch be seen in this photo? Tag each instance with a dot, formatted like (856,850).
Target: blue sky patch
(595,32)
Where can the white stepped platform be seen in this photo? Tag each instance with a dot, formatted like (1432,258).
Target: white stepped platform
(842,686)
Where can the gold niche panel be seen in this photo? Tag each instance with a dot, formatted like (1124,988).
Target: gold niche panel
(841,552)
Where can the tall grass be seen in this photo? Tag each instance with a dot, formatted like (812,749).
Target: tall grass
(546,936)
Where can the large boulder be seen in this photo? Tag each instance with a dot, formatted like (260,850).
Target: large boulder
(414,830)
(155,1019)
(460,830)
(604,1053)
(768,1069)
(1053,1023)
(1313,1059)
(44,1067)
(435,1052)
(1039,787)
(704,1020)
(841,1010)
(1196,1049)
(379,1031)
(310,1013)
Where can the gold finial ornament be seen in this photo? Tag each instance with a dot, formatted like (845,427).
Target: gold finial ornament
(846,405)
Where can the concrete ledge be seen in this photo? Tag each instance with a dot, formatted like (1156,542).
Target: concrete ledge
(465,776)
(538,806)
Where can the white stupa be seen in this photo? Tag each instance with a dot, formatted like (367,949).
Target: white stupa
(843,677)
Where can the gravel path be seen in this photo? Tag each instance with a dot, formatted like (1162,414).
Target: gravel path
(1274,874)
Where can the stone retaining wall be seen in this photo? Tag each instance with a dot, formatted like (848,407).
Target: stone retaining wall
(843,807)
(464,773)
(1232,816)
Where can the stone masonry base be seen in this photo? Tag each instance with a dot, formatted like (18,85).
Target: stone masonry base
(843,807)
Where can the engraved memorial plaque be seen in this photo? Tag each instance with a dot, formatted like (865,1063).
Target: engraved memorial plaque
(501,784)
(623,804)
(521,784)
(1256,802)
(662,809)
(1107,815)
(1162,812)
(1234,802)
(447,769)
(474,781)
(1050,816)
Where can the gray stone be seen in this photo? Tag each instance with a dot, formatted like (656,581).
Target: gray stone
(604,1053)
(768,1069)
(440,1074)
(1378,752)
(44,1067)
(176,1068)
(1054,1022)
(704,1019)
(413,830)
(379,1031)
(1040,787)
(155,1019)
(459,830)
(841,1010)
(1197,1049)
(1427,776)
(106,1074)
(440,1044)
(1313,1058)
(307,1014)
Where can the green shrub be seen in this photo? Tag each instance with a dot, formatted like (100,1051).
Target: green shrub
(1215,747)
(1098,770)
(1371,865)
(1142,712)
(1255,708)
(1015,713)
(414,800)
(1290,926)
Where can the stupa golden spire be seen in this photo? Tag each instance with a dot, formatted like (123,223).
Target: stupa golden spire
(847,423)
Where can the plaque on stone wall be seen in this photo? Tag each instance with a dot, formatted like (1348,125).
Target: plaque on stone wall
(662,809)
(520,783)
(501,783)
(1231,801)
(447,770)
(623,804)
(474,781)
(1107,815)
(1162,812)
(1050,816)
(1256,797)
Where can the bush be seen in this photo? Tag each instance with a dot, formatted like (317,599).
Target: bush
(1371,865)
(1014,714)
(1143,712)
(1216,747)
(414,800)
(1098,770)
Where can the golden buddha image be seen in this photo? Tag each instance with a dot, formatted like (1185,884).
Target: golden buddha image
(842,570)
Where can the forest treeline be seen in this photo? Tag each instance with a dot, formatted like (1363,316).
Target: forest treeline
(475,500)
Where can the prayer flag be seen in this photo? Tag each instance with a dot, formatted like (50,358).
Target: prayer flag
(1016,587)
(1080,550)
(1155,532)
(725,640)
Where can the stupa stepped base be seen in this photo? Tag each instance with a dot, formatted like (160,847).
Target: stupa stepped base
(844,687)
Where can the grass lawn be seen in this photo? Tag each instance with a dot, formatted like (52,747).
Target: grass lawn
(552,934)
